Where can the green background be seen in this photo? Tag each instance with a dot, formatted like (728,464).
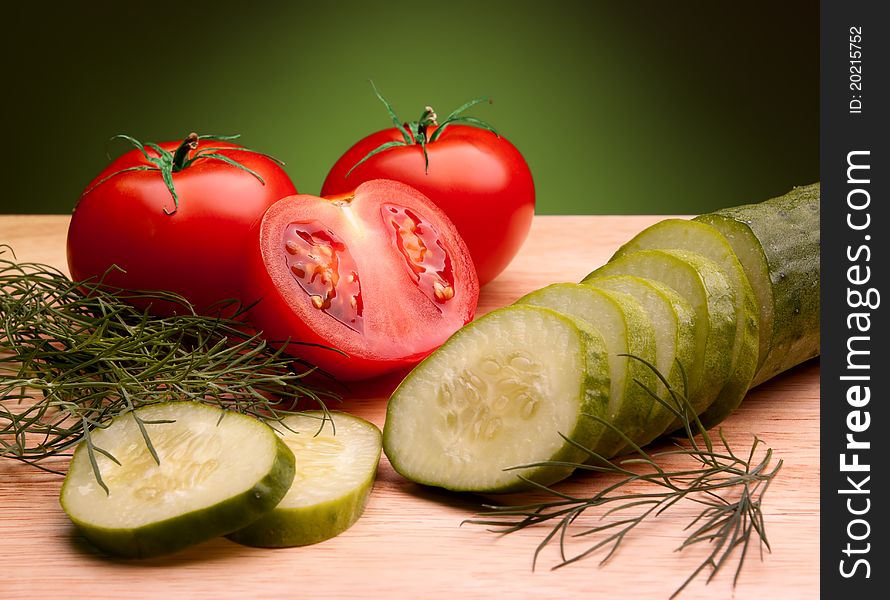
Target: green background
(618,107)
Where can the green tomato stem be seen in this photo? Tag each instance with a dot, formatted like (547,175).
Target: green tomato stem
(182,152)
(427,117)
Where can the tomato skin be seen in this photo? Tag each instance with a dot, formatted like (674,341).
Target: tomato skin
(197,251)
(479,179)
(397,320)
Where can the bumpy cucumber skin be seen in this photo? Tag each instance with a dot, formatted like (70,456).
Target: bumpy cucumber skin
(636,404)
(701,238)
(786,231)
(678,373)
(593,401)
(171,535)
(288,527)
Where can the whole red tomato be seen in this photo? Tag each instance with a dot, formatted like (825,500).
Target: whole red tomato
(363,283)
(475,175)
(174,216)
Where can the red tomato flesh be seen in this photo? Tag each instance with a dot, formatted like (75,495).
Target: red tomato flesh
(380,275)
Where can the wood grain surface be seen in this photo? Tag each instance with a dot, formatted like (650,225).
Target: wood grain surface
(410,543)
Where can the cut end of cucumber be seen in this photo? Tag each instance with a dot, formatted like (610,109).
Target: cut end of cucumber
(215,472)
(336,457)
(497,395)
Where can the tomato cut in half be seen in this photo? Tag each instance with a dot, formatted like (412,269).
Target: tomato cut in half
(360,284)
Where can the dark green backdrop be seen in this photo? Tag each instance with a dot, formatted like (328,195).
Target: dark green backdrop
(619,107)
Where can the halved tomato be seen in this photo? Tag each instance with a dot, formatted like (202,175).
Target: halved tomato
(360,284)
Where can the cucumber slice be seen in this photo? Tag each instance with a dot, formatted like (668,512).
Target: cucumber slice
(337,461)
(680,234)
(777,243)
(625,329)
(497,395)
(701,282)
(673,321)
(217,472)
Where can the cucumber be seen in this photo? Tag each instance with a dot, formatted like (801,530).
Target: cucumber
(673,322)
(707,241)
(336,457)
(448,426)
(701,282)
(218,471)
(500,393)
(625,329)
(777,243)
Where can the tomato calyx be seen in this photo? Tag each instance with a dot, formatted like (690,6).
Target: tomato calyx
(415,133)
(167,163)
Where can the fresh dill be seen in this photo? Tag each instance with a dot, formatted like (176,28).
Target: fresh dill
(75,355)
(728,486)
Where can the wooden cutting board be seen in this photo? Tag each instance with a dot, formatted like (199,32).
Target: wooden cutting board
(410,542)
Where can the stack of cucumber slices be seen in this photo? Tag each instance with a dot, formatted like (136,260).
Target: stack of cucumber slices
(715,305)
(169,475)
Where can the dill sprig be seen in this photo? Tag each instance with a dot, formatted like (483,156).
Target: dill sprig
(728,486)
(75,355)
